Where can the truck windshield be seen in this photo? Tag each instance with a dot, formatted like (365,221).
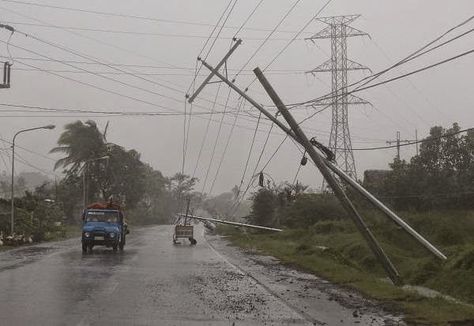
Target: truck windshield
(102,216)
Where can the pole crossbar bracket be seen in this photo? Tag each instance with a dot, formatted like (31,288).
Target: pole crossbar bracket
(219,65)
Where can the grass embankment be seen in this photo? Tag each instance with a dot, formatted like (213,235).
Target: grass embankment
(336,251)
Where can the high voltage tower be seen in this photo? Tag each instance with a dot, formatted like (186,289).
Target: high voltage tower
(338,30)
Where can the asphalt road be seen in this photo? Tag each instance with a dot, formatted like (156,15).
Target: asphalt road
(154,282)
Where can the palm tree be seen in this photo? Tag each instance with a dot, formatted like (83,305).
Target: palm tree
(80,142)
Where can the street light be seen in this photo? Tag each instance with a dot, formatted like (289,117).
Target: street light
(12,222)
(84,185)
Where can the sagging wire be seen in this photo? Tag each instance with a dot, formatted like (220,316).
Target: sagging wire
(239,107)
(249,184)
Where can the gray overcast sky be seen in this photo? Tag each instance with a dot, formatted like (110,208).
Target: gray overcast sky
(439,96)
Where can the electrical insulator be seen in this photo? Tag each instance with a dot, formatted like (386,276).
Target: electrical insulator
(304,160)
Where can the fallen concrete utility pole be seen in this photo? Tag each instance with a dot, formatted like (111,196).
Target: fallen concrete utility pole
(378,204)
(214,220)
(331,180)
(335,169)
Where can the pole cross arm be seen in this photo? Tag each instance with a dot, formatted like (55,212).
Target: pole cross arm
(219,65)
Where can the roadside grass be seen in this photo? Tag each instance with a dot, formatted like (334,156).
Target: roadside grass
(335,251)
(62,233)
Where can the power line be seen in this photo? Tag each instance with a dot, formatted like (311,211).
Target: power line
(142,66)
(271,62)
(414,71)
(250,153)
(28,150)
(428,195)
(205,134)
(268,36)
(25,162)
(88,57)
(215,145)
(408,58)
(112,45)
(402,76)
(409,143)
(153,73)
(161,20)
(100,42)
(299,32)
(248,18)
(420,51)
(132,32)
(94,111)
(265,68)
(198,69)
(252,176)
(95,86)
(229,137)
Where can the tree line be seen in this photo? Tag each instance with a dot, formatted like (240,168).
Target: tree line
(440,176)
(109,172)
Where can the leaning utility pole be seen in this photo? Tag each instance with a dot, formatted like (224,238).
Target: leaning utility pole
(325,164)
(331,180)
(338,30)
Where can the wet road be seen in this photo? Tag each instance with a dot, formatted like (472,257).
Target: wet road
(156,283)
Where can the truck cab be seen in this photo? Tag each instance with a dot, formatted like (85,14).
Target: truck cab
(103,225)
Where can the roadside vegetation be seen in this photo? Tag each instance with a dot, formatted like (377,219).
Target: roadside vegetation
(433,192)
(52,209)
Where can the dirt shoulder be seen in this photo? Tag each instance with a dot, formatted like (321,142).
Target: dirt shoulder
(407,304)
(315,298)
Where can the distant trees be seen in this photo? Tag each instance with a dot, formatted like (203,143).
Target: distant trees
(273,205)
(441,176)
(122,176)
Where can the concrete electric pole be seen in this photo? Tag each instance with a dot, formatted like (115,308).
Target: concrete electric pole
(399,141)
(324,165)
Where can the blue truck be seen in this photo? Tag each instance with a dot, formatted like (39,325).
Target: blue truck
(103,225)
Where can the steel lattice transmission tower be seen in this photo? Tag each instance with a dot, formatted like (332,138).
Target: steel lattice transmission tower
(338,30)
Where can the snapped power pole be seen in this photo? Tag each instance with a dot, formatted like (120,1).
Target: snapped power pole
(331,180)
(325,165)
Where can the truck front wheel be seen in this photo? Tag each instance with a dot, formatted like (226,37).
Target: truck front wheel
(122,243)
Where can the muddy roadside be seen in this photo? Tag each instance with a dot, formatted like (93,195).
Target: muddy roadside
(316,299)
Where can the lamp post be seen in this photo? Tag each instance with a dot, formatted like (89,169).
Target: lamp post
(84,181)
(12,221)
